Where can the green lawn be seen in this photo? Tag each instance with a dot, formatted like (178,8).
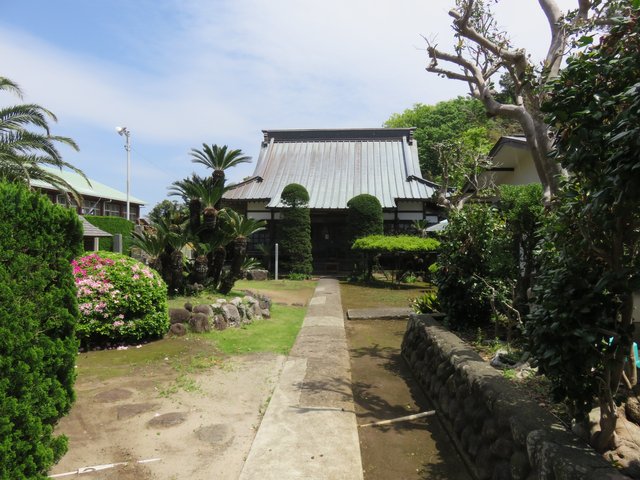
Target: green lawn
(275,335)
(380,294)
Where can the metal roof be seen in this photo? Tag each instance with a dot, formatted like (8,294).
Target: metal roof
(336,165)
(96,189)
(90,230)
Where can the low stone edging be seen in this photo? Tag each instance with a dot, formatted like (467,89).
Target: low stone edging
(501,432)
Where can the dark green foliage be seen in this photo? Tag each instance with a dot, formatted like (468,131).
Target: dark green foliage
(591,261)
(295,233)
(38,313)
(426,303)
(465,257)
(364,216)
(294,195)
(521,207)
(113,225)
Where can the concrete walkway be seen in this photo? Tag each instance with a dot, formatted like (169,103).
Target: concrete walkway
(309,430)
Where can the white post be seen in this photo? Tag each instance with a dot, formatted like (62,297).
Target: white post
(128,147)
(276,261)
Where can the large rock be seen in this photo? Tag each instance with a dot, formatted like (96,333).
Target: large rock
(220,322)
(259,275)
(179,315)
(231,314)
(199,323)
(203,308)
(178,329)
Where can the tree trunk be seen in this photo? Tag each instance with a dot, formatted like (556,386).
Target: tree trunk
(219,256)
(194,214)
(175,285)
(200,269)
(210,215)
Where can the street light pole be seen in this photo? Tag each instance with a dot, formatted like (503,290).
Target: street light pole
(123,131)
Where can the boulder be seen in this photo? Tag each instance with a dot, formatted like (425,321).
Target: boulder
(188,306)
(259,275)
(179,315)
(231,314)
(203,308)
(178,329)
(199,323)
(219,322)
(266,313)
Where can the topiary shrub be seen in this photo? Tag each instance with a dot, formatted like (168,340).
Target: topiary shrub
(364,216)
(295,234)
(120,299)
(38,313)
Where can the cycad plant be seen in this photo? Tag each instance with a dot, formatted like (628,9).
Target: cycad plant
(242,228)
(219,159)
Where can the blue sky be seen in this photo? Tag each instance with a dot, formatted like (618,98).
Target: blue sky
(179,73)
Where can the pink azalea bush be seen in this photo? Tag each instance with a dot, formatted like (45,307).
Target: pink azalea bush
(119,298)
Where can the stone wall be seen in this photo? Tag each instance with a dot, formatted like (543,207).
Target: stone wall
(500,431)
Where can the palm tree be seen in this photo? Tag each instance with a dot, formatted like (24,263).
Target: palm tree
(218,159)
(24,152)
(242,228)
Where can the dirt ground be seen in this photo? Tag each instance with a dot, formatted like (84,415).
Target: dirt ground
(384,388)
(199,426)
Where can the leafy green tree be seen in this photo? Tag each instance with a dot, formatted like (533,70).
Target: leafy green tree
(445,123)
(163,209)
(38,315)
(582,324)
(295,233)
(26,144)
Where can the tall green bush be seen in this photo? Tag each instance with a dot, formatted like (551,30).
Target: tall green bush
(364,216)
(295,234)
(468,245)
(113,225)
(38,313)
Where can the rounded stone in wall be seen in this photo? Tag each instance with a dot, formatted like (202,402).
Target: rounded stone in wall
(462,392)
(502,447)
(459,423)
(474,443)
(484,463)
(489,430)
(501,471)
(519,465)
(466,433)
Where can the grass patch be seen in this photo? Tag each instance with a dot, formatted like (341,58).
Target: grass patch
(378,294)
(280,291)
(169,353)
(275,335)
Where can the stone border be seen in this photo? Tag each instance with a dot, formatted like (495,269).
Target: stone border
(500,431)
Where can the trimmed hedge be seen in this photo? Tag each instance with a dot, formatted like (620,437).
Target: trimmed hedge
(113,225)
(364,216)
(120,299)
(393,244)
(38,313)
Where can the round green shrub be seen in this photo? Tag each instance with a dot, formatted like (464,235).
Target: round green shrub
(119,298)
(364,216)
(294,195)
(38,313)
